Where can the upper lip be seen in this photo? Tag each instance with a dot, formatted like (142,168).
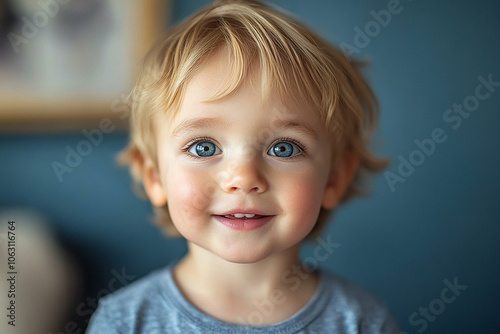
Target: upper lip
(245,211)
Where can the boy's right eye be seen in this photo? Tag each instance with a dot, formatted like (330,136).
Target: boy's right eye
(204,149)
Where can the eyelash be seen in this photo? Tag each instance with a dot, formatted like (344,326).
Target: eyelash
(195,141)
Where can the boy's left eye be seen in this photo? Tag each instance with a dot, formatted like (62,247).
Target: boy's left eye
(283,150)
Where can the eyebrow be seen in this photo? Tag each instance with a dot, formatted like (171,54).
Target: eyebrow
(193,124)
(298,126)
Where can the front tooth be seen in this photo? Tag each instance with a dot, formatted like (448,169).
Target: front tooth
(249,215)
(239,215)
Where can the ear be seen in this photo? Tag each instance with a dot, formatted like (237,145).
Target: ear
(148,173)
(339,180)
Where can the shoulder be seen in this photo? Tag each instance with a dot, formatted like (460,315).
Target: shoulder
(132,306)
(353,306)
(348,294)
(139,291)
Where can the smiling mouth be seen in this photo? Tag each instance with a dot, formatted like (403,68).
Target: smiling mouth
(244,222)
(243,216)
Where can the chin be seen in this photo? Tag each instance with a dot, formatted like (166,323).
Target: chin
(243,257)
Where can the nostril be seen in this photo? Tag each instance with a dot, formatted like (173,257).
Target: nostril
(257,189)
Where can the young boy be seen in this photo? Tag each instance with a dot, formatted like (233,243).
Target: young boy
(247,131)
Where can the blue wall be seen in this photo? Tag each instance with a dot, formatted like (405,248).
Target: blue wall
(441,223)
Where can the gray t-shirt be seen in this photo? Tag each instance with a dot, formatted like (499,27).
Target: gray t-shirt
(154,304)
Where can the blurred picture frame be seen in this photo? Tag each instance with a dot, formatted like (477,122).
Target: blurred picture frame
(69,64)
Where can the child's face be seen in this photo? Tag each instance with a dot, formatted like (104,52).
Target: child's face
(240,163)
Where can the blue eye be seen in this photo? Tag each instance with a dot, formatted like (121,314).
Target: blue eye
(204,149)
(283,150)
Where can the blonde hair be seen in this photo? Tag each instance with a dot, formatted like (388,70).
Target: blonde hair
(292,58)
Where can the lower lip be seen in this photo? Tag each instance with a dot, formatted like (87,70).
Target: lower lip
(244,224)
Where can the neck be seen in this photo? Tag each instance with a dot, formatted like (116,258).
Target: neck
(280,271)
(228,291)
(253,279)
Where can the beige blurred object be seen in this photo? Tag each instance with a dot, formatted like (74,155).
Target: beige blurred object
(66,65)
(48,281)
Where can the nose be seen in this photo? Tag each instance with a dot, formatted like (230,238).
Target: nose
(244,176)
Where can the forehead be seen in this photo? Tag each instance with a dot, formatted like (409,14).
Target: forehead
(218,74)
(217,81)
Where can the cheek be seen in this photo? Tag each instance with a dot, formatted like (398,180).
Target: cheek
(302,195)
(189,193)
